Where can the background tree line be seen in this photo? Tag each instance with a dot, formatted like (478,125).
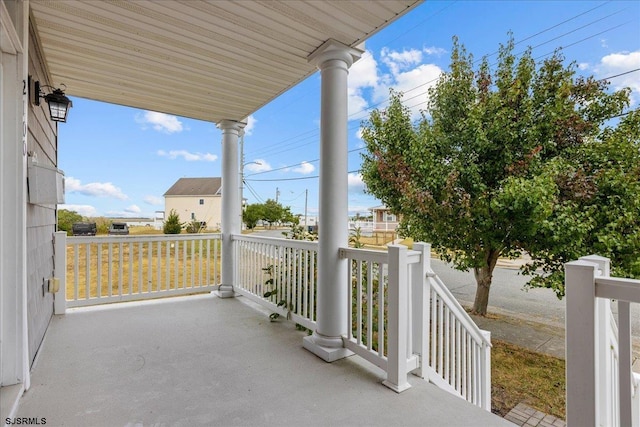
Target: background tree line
(270,212)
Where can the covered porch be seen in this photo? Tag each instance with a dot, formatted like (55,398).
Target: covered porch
(202,360)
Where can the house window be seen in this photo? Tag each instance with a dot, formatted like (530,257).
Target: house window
(193,215)
(202,201)
(389,217)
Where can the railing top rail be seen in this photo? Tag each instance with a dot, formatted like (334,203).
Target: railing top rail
(142,238)
(618,288)
(359,254)
(276,241)
(451,301)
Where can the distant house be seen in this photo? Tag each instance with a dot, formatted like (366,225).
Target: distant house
(383,219)
(196,199)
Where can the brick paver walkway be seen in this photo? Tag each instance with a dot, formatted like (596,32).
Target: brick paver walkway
(526,416)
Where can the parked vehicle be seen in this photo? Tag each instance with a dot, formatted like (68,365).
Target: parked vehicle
(84,229)
(119,228)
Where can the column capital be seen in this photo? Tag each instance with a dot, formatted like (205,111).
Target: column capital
(333,49)
(236,125)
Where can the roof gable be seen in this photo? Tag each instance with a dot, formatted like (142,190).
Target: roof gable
(196,187)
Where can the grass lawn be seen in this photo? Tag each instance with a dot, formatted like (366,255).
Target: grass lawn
(521,375)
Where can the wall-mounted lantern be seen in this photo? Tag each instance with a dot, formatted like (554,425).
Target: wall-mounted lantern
(58,102)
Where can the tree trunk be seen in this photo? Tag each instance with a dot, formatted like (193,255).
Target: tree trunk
(484,275)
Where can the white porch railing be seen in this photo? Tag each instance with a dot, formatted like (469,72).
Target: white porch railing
(428,331)
(602,390)
(279,274)
(105,269)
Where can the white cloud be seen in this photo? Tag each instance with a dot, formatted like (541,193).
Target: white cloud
(370,81)
(398,61)
(258,165)
(161,122)
(362,75)
(251,124)
(153,200)
(133,209)
(188,156)
(364,72)
(583,66)
(84,210)
(618,63)
(355,183)
(305,168)
(432,50)
(96,189)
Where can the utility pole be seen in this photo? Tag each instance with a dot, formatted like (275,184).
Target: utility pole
(306,193)
(277,194)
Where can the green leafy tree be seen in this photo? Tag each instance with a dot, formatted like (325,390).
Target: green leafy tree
(484,174)
(272,212)
(66,218)
(288,217)
(172,225)
(252,214)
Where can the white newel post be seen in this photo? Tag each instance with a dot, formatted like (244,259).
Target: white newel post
(60,272)
(485,362)
(333,59)
(420,299)
(604,360)
(397,322)
(230,202)
(580,343)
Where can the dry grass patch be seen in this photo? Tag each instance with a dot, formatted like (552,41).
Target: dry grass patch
(521,375)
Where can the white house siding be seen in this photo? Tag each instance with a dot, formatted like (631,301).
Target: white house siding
(41,219)
(210,211)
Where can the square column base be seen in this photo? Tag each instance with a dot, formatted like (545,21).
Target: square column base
(328,354)
(225,291)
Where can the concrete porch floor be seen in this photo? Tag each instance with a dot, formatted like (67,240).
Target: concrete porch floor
(203,360)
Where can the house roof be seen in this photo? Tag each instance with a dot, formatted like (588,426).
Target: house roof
(195,187)
(208,60)
(379,208)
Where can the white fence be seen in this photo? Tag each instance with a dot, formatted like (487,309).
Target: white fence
(601,387)
(105,269)
(279,274)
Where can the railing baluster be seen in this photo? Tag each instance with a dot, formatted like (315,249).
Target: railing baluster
(130,267)
(120,268)
(76,263)
(359,302)
(369,305)
(110,269)
(99,270)
(381,314)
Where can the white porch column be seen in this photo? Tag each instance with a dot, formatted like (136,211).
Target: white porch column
(230,201)
(333,59)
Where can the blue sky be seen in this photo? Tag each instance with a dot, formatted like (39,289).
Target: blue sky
(119,161)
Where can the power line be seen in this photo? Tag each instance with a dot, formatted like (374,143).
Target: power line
(295,179)
(299,164)
(295,140)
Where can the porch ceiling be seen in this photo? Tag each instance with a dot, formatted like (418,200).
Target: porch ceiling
(209,60)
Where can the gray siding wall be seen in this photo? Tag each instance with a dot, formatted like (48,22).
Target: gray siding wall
(41,219)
